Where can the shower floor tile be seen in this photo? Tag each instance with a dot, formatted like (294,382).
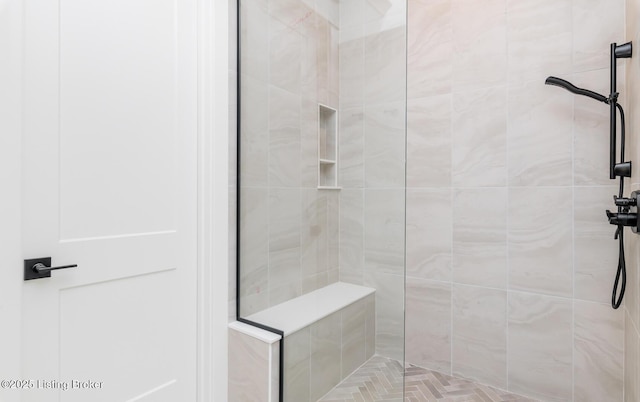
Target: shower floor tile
(380,379)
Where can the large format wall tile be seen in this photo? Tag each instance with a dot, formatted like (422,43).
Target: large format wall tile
(540,39)
(285,54)
(430,48)
(384,231)
(284,245)
(428,324)
(479,44)
(540,135)
(351,147)
(479,138)
(254,44)
(596,24)
(354,329)
(254,134)
(598,353)
(351,74)
(254,244)
(352,236)
(479,335)
(540,227)
(540,343)
(248,371)
(480,237)
(284,138)
(389,314)
(428,233)
(297,354)
(384,145)
(631,362)
(325,355)
(596,251)
(385,68)
(429,142)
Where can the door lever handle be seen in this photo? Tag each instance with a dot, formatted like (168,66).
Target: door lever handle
(41,268)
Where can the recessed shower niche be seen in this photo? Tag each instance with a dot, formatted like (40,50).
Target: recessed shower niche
(327,147)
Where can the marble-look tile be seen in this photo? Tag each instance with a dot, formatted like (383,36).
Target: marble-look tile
(384,231)
(333,231)
(479,335)
(330,11)
(325,355)
(429,142)
(254,44)
(428,324)
(389,314)
(284,138)
(595,26)
(323,48)
(249,369)
(595,249)
(540,240)
(351,74)
(285,54)
(353,333)
(428,233)
(254,243)
(351,13)
(480,44)
(314,232)
(540,343)
(334,67)
(351,147)
(430,48)
(598,353)
(370,325)
(284,244)
(480,237)
(479,138)
(297,355)
(385,69)
(352,236)
(540,39)
(540,135)
(312,282)
(631,361)
(254,135)
(292,13)
(308,143)
(384,145)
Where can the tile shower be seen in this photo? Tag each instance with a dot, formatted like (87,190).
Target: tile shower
(508,261)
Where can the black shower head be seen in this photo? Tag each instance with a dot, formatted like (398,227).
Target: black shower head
(559,82)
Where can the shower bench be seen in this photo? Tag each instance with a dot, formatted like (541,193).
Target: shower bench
(328,334)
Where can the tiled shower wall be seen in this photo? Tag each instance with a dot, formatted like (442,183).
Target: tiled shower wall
(510,260)
(289,233)
(632,300)
(372,159)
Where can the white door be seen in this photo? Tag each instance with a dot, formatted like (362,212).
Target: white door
(109,184)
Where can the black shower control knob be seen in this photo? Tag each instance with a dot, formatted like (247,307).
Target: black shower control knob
(625,202)
(622,219)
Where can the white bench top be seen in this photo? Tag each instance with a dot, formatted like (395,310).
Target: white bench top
(304,310)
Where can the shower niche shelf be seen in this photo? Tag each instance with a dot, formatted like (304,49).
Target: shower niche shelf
(327,148)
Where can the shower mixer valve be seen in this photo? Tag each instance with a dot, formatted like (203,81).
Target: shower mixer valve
(628,212)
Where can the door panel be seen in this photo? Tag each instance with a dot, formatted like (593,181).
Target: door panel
(109,183)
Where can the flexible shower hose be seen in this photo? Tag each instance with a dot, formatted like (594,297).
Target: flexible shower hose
(621,275)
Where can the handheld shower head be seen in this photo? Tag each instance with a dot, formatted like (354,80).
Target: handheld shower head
(559,82)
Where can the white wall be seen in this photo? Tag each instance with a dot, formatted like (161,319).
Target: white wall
(10,235)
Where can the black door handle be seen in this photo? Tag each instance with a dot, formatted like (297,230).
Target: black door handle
(41,268)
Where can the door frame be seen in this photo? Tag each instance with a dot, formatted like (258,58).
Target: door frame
(213,196)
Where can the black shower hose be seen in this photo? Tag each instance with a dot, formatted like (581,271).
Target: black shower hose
(616,299)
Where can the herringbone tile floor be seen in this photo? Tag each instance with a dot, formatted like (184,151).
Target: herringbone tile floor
(380,379)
